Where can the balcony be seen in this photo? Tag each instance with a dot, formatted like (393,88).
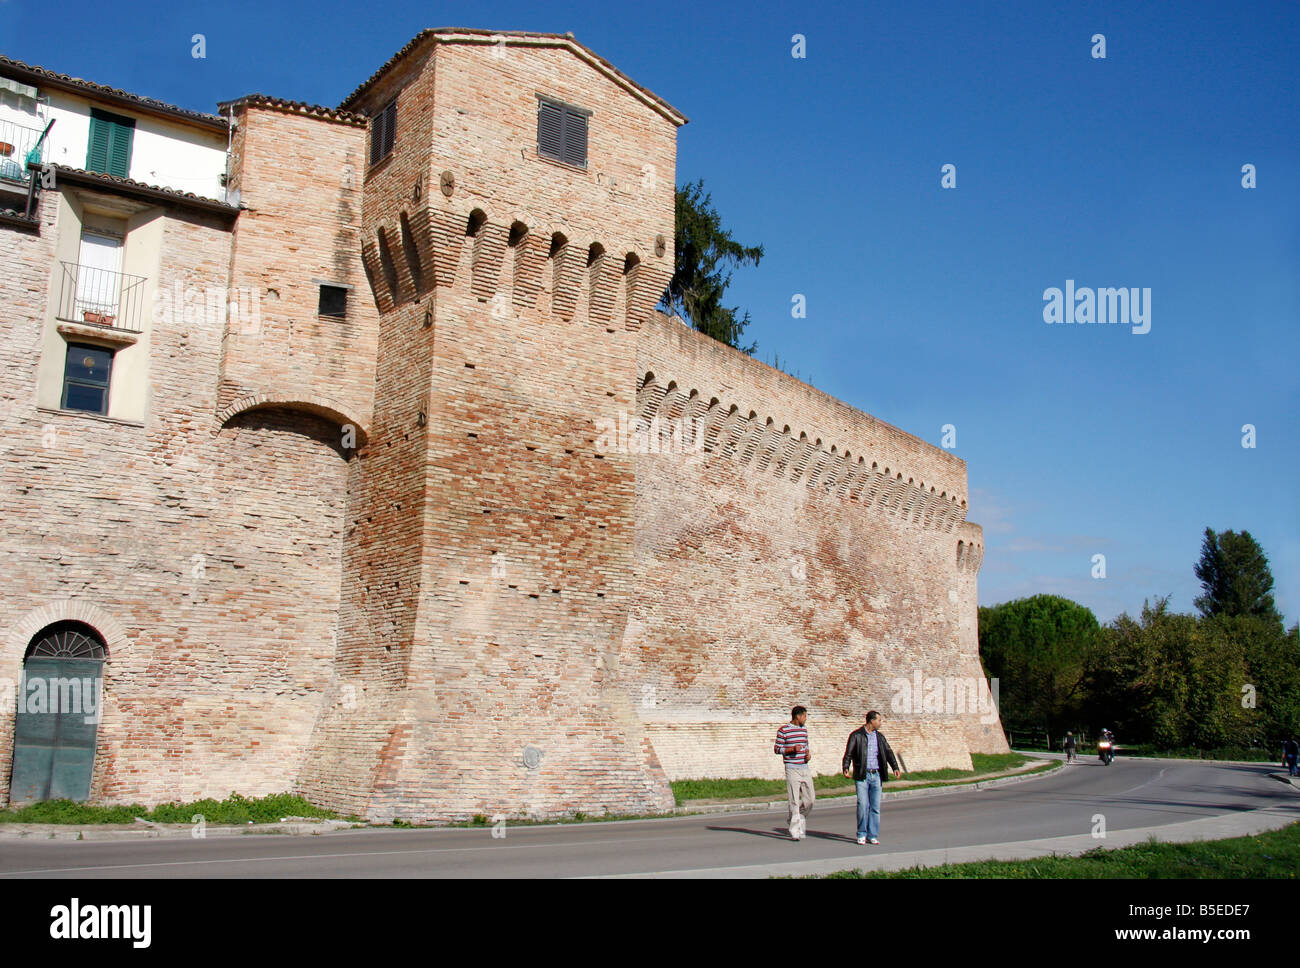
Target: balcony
(18,147)
(108,301)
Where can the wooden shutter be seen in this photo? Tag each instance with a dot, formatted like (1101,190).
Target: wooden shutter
(376,137)
(550,130)
(575,138)
(97,155)
(390,126)
(383,132)
(109,148)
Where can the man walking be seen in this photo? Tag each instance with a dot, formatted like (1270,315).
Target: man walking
(792,744)
(866,757)
(1290,754)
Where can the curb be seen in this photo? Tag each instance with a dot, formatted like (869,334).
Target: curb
(147,830)
(1249,823)
(1153,759)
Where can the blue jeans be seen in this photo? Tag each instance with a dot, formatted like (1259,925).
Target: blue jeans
(869,806)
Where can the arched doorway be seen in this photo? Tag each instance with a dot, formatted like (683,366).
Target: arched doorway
(57,719)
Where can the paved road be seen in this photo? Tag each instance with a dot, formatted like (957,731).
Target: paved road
(1131,795)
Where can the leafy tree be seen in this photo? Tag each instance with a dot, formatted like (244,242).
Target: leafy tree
(1039,649)
(706,253)
(1138,681)
(1234,573)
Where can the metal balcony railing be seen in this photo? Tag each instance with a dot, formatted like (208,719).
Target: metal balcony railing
(100,297)
(18,146)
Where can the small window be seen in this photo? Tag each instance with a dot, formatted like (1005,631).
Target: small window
(562,132)
(383,132)
(85,378)
(333,301)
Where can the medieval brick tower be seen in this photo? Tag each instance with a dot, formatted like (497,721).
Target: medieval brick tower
(488,555)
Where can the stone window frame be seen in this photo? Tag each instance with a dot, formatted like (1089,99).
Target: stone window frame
(324,284)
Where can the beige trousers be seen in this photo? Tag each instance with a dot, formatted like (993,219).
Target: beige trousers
(799,788)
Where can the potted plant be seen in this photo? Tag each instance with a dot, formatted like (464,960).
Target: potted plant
(100,319)
(6,149)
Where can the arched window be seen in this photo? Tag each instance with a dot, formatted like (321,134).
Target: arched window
(67,640)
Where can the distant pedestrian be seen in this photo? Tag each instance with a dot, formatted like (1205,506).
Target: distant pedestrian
(792,744)
(1290,754)
(1069,746)
(866,757)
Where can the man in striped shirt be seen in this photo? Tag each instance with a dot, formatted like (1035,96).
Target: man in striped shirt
(792,744)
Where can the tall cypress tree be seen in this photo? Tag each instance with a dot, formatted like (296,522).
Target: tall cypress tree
(1235,576)
(706,253)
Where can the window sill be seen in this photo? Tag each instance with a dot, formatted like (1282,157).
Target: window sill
(562,164)
(380,165)
(102,334)
(104,418)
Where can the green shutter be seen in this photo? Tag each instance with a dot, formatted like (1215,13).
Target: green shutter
(97,156)
(109,151)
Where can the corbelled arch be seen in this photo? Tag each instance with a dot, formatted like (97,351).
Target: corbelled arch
(322,406)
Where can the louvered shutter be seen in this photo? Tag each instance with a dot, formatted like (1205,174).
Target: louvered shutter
(109,148)
(119,149)
(550,124)
(377,137)
(97,155)
(575,138)
(390,127)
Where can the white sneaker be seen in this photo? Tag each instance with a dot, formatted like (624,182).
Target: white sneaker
(873,840)
(862,841)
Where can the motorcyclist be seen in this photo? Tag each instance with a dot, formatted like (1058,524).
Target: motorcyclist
(1107,737)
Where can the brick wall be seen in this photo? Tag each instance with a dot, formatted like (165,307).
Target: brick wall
(212,551)
(775,567)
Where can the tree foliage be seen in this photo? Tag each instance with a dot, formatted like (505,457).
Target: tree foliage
(706,254)
(1235,576)
(1038,650)
(1226,679)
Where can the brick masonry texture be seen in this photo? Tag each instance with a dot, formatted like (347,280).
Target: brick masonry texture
(487,605)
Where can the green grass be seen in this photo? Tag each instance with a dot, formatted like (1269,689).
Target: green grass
(235,809)
(715,789)
(1271,855)
(1250,753)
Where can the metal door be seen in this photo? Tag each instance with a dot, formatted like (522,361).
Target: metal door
(57,719)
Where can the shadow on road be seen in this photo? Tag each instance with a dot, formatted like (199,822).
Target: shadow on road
(780,833)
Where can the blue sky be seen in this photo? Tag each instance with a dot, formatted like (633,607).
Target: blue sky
(924,304)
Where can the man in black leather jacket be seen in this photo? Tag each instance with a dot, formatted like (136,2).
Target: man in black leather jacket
(866,758)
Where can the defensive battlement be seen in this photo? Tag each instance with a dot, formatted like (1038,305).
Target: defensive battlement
(770,422)
(512,265)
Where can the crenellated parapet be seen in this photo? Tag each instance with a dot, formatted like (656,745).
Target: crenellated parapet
(409,256)
(970,548)
(696,421)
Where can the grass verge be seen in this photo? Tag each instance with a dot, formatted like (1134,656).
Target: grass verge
(235,809)
(1273,855)
(984,763)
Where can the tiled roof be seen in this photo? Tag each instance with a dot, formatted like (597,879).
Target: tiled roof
(450,34)
(11,216)
(41,76)
(297,107)
(81,176)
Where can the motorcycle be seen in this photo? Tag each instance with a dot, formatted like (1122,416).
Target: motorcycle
(1106,751)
